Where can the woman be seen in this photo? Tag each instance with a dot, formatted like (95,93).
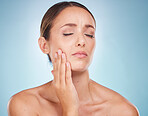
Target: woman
(68,38)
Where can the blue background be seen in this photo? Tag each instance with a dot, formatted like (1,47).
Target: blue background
(120,59)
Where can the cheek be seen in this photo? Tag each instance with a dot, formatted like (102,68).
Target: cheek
(92,46)
(64,47)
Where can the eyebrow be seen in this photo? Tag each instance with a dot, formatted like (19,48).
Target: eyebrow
(74,25)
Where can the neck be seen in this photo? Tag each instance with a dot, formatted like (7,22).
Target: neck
(81,82)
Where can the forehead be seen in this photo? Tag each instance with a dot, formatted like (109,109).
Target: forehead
(75,15)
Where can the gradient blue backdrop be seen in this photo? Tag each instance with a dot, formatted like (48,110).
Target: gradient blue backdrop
(120,59)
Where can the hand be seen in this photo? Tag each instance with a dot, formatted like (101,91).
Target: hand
(63,84)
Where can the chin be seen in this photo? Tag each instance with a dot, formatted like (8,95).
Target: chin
(79,66)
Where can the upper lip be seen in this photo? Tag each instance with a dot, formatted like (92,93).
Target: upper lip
(80,52)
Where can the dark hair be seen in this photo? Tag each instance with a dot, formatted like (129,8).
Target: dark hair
(52,13)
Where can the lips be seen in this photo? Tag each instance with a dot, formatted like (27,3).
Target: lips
(80,54)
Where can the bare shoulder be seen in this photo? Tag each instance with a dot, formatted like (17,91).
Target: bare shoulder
(117,105)
(23,103)
(123,108)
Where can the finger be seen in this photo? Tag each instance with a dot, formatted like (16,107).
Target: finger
(58,65)
(68,73)
(55,61)
(55,66)
(62,69)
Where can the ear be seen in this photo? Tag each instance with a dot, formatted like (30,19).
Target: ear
(43,45)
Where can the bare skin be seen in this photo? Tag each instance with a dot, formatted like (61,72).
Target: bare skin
(71,92)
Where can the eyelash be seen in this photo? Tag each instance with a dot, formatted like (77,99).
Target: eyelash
(91,36)
(67,34)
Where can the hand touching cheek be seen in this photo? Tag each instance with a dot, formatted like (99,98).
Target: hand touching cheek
(63,84)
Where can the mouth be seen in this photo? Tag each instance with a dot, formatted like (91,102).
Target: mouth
(80,54)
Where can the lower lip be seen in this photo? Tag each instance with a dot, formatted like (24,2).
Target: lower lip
(80,55)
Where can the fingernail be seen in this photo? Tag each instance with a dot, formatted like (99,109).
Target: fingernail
(59,52)
(55,55)
(63,55)
(67,64)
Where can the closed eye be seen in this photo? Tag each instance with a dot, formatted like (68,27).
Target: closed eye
(91,36)
(67,34)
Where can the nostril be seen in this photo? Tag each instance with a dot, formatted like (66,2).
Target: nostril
(83,44)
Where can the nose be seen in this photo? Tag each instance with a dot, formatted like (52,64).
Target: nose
(80,41)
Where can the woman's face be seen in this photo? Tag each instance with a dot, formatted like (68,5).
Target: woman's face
(73,31)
